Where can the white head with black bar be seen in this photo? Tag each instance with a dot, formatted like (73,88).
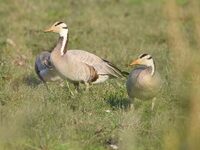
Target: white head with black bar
(145,59)
(61,28)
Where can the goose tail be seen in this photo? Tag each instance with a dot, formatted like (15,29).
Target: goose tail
(114,71)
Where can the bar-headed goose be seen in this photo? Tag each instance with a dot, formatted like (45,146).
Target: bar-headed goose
(44,68)
(144,81)
(79,66)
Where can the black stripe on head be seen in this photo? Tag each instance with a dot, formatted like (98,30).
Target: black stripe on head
(149,57)
(143,55)
(65,27)
(58,23)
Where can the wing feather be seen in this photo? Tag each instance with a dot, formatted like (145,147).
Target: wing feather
(103,67)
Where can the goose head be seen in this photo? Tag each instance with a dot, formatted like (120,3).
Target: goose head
(146,60)
(58,27)
(61,28)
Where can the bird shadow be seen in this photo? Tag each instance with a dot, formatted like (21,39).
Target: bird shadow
(31,80)
(118,102)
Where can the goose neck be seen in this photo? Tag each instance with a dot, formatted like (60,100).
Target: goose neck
(64,41)
(153,67)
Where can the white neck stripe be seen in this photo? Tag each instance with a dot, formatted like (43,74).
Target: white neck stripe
(152,65)
(63,33)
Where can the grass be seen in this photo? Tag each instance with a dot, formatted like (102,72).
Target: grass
(31,118)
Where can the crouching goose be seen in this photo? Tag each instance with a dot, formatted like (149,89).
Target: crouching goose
(44,68)
(78,66)
(143,81)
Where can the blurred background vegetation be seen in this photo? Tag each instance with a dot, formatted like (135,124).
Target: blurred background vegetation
(32,118)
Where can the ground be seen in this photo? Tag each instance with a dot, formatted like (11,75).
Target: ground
(33,118)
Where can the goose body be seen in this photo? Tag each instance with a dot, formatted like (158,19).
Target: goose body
(78,65)
(141,84)
(44,68)
(143,81)
(82,66)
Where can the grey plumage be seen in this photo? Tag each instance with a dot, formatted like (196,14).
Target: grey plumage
(143,82)
(77,65)
(44,68)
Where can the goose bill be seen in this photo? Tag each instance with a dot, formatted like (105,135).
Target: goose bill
(135,62)
(49,30)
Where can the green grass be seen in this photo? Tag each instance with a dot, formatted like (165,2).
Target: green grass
(31,118)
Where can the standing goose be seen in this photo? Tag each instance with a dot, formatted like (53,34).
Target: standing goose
(143,81)
(44,68)
(77,65)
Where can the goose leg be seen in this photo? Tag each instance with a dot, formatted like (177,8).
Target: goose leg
(62,84)
(70,89)
(49,91)
(153,103)
(45,84)
(77,87)
(87,86)
(131,105)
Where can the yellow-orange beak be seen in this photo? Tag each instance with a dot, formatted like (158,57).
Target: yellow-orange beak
(49,29)
(135,62)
